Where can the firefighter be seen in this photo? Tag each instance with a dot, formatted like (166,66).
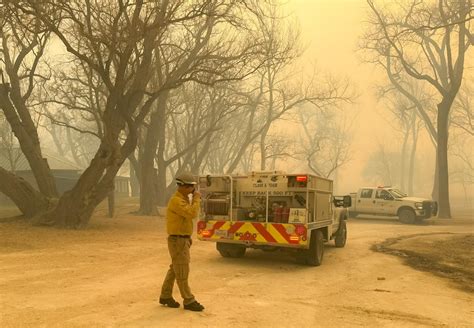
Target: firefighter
(182,209)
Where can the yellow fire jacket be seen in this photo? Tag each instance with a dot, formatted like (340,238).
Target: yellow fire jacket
(180,214)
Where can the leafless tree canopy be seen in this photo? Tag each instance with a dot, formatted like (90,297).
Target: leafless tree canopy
(427,41)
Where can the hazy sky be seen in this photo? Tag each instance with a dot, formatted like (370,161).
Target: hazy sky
(331,29)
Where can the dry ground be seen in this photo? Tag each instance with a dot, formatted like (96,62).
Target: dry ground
(445,254)
(109,275)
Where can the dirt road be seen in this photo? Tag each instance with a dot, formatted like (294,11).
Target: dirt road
(110,274)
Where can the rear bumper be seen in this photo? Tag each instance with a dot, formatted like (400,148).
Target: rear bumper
(256,245)
(254,234)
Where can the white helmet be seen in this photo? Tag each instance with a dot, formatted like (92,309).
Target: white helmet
(185,178)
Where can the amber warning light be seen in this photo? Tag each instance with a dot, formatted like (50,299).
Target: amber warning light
(301,178)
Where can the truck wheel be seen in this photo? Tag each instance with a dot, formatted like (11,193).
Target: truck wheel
(406,215)
(230,250)
(341,234)
(316,248)
(222,250)
(237,251)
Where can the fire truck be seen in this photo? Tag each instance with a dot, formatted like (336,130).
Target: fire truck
(272,211)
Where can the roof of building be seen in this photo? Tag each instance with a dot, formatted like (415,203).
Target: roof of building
(14,160)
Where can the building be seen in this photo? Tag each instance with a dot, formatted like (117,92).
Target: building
(65,172)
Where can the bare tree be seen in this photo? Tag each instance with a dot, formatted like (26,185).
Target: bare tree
(382,167)
(116,40)
(229,139)
(415,127)
(461,144)
(325,141)
(407,122)
(73,104)
(9,150)
(281,48)
(463,113)
(208,50)
(193,128)
(462,170)
(279,147)
(429,43)
(23,42)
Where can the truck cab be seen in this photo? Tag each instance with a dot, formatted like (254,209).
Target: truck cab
(391,202)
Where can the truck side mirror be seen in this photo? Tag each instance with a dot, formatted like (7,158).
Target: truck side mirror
(347,201)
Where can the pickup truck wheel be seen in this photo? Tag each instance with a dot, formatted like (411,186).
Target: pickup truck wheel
(341,234)
(227,250)
(407,215)
(316,248)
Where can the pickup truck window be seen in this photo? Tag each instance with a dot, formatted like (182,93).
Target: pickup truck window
(366,193)
(382,194)
(397,193)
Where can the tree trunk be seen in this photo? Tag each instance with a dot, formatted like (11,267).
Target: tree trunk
(466,194)
(335,181)
(263,153)
(148,179)
(162,193)
(75,207)
(29,144)
(263,149)
(411,171)
(442,154)
(111,203)
(147,169)
(435,191)
(403,160)
(249,137)
(134,176)
(28,200)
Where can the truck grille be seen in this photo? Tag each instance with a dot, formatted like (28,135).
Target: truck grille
(430,208)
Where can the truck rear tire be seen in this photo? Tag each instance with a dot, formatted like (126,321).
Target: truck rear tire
(227,250)
(341,235)
(316,248)
(407,215)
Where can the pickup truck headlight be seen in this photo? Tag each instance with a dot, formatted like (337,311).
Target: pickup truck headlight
(419,206)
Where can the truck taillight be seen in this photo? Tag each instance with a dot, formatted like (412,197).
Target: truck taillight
(301,178)
(201,225)
(300,230)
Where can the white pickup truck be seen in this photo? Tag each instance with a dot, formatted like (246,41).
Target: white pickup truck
(386,201)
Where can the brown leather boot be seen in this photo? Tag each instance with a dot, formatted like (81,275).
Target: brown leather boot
(194,306)
(169,302)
